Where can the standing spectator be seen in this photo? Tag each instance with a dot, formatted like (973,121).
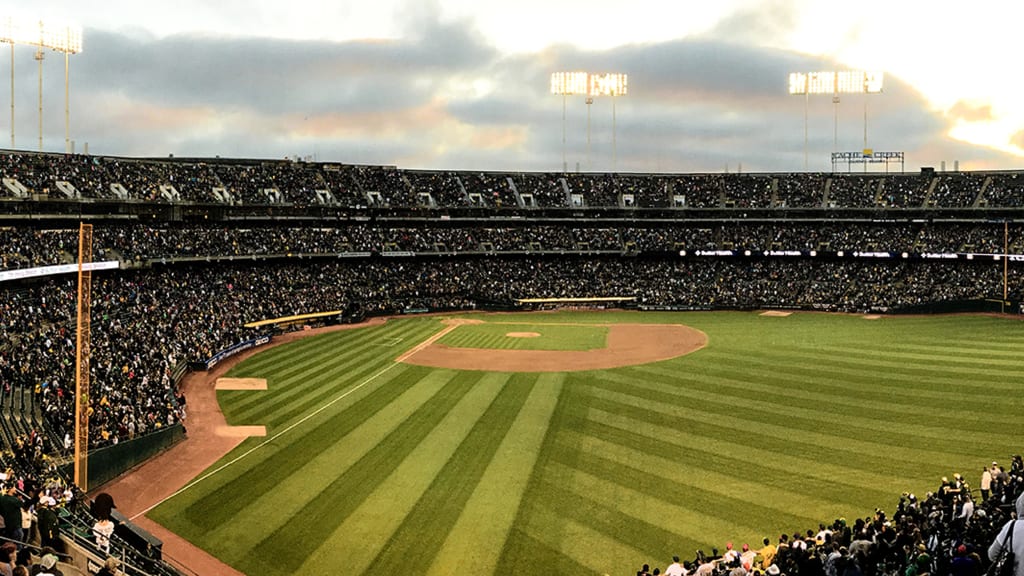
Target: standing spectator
(28,519)
(986,483)
(767,553)
(49,531)
(963,564)
(10,509)
(103,529)
(675,568)
(1012,533)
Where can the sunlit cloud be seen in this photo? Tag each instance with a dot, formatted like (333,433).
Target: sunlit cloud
(463,84)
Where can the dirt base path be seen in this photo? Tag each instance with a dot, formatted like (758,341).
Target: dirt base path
(209,438)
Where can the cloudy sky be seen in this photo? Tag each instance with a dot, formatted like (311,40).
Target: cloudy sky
(464,84)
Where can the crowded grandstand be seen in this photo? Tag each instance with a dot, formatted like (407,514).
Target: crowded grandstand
(196,246)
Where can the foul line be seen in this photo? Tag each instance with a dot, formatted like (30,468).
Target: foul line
(400,359)
(427,342)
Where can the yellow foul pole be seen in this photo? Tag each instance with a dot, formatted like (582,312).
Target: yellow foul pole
(82,350)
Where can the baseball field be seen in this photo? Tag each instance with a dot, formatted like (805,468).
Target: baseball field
(590,443)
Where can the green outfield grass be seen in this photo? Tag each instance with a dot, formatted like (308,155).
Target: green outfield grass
(373,467)
(551,336)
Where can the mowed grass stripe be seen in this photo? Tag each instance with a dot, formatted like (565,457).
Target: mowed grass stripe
(636,535)
(475,542)
(919,419)
(681,463)
(906,385)
(284,402)
(580,543)
(880,363)
(778,376)
(779,420)
(302,347)
(951,357)
(827,375)
(319,391)
(292,452)
(325,360)
(966,349)
(853,369)
(423,531)
(776,462)
(295,395)
(539,558)
(304,483)
(691,525)
(287,354)
(886,400)
(281,402)
(783,463)
(624,457)
(518,555)
(361,536)
(287,547)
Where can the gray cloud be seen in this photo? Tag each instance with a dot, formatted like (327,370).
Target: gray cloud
(694,105)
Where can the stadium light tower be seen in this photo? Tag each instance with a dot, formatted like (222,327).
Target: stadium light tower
(59,38)
(614,84)
(567,84)
(835,83)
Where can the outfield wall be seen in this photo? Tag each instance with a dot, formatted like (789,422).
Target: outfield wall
(109,462)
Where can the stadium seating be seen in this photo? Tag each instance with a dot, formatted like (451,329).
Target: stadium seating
(204,246)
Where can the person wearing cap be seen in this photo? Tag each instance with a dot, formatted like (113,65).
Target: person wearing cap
(731,555)
(963,564)
(920,566)
(47,566)
(747,557)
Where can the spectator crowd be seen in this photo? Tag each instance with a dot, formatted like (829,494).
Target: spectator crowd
(954,531)
(23,247)
(296,182)
(177,301)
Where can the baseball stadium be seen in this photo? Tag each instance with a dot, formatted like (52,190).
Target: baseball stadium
(247,366)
